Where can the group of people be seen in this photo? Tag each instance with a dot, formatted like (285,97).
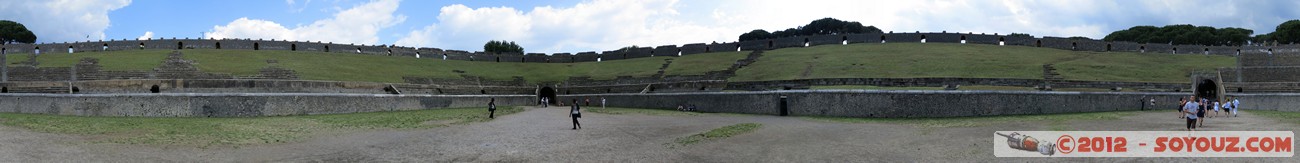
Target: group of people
(1194,109)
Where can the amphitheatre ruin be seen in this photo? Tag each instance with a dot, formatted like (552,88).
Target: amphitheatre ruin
(85,87)
(764,81)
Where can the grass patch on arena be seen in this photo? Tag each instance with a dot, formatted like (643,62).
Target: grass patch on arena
(1055,121)
(1289,117)
(719,133)
(204,132)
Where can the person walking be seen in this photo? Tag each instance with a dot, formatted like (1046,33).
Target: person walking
(1200,114)
(587,102)
(492,108)
(1182,104)
(575,114)
(1189,112)
(1235,106)
(602,102)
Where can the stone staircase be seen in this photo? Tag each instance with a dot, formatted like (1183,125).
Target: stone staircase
(663,69)
(36,90)
(1050,76)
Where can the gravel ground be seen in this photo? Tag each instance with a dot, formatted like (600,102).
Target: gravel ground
(544,135)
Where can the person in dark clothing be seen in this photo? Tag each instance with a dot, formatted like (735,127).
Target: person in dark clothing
(492,108)
(573,113)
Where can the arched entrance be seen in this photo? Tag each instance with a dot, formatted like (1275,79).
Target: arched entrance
(1207,89)
(548,93)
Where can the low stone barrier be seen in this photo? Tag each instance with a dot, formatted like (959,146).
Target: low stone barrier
(239,104)
(893,104)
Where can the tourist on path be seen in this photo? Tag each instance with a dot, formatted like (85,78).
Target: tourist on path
(602,102)
(1235,106)
(1200,113)
(492,108)
(1182,104)
(575,114)
(1189,111)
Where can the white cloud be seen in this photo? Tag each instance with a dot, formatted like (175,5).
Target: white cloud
(587,26)
(359,24)
(62,20)
(610,24)
(146,36)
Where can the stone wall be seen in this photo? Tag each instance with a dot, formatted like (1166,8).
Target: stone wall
(240,105)
(1269,101)
(664,50)
(894,104)
(938,82)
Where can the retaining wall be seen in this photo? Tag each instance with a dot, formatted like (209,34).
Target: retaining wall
(898,104)
(240,105)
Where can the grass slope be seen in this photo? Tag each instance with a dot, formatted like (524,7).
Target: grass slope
(908,60)
(893,60)
(354,67)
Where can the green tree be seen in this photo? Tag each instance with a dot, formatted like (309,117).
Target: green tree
(757,34)
(1288,32)
(822,26)
(503,46)
(14,32)
(1182,34)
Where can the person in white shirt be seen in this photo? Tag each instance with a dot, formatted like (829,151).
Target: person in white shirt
(602,102)
(1189,111)
(1235,106)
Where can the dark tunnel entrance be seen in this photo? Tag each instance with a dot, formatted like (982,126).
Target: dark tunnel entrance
(1207,89)
(548,93)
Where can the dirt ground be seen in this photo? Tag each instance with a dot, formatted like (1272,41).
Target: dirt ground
(544,135)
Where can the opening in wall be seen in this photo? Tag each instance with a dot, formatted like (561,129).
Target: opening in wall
(70,50)
(218,45)
(1107,46)
(327,48)
(963,39)
(805,42)
(844,40)
(1002,41)
(293,47)
(1206,51)
(882,39)
(104,48)
(769,44)
(154,89)
(257,46)
(417,54)
(141,45)
(4,89)
(706,49)
(1038,43)
(1074,46)
(1142,48)
(180,45)
(922,38)
(358,50)
(444,56)
(38,50)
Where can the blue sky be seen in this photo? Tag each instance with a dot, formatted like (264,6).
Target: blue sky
(597,25)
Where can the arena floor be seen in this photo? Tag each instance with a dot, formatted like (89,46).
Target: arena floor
(544,135)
